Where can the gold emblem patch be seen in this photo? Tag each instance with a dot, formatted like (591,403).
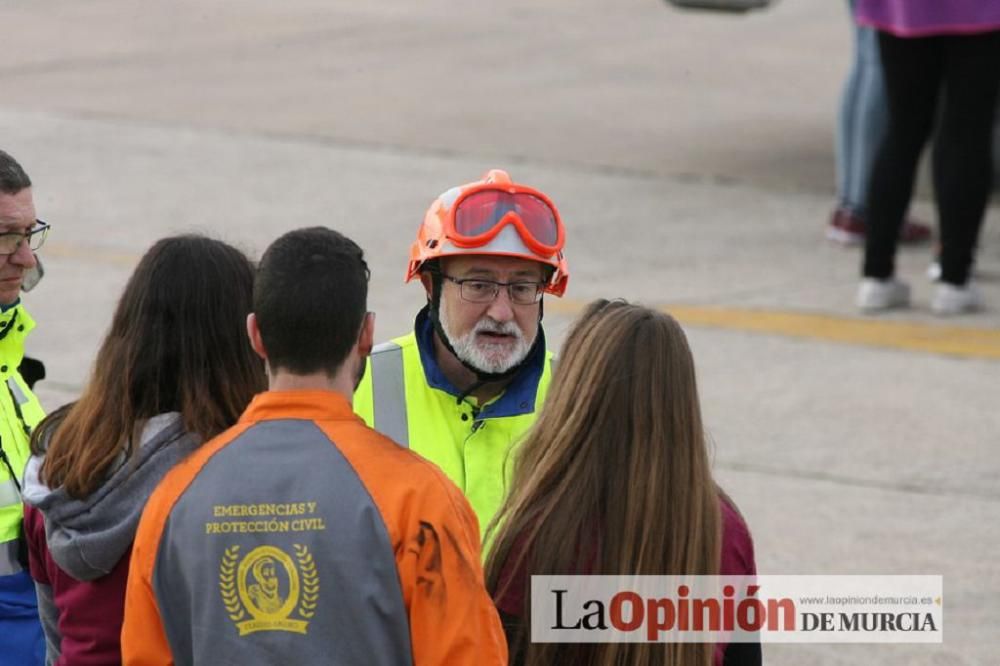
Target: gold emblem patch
(270,587)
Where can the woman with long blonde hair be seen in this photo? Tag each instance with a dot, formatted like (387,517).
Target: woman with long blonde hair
(615,479)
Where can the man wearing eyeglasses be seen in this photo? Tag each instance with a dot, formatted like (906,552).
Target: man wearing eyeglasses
(21,233)
(465,384)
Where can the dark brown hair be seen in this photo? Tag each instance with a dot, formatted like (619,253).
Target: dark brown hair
(310,300)
(177,343)
(614,477)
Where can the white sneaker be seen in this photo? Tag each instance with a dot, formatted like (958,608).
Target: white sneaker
(952,300)
(875,295)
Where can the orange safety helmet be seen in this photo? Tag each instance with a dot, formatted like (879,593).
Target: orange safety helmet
(493,216)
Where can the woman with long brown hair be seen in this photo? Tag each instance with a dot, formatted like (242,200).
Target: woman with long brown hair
(174,370)
(614,479)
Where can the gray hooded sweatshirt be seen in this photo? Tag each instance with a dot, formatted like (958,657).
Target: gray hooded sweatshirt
(88,537)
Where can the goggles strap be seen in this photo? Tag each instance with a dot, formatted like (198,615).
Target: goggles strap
(468,391)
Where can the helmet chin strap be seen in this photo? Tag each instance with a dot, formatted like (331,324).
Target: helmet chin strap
(482,377)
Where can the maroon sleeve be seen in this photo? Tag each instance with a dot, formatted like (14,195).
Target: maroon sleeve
(517,582)
(34,531)
(510,589)
(513,584)
(737,544)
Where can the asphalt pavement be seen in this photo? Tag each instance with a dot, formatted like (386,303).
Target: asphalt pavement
(691,156)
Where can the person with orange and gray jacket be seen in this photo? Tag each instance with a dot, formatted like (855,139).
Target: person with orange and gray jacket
(300,535)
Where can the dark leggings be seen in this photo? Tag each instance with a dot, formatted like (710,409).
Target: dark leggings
(963,71)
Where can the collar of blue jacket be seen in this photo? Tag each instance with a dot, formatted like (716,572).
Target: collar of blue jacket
(519,396)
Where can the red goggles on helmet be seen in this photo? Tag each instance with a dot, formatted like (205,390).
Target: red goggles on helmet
(482,212)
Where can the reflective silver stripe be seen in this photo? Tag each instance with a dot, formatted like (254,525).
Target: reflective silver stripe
(16,390)
(9,563)
(8,493)
(389,393)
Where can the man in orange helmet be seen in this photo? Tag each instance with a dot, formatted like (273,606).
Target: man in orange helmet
(464,385)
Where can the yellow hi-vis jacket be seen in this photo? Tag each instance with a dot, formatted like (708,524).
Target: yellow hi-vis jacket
(405,396)
(20,412)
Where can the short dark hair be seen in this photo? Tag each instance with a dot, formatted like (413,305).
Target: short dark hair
(13,179)
(310,298)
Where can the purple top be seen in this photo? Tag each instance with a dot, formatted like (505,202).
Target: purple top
(922,18)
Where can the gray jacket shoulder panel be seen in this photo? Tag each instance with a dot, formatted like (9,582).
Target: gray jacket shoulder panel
(276,553)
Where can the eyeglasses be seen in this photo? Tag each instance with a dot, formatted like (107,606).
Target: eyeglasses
(35,237)
(476,290)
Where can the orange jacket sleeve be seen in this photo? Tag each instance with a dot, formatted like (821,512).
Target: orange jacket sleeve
(435,537)
(144,642)
(452,618)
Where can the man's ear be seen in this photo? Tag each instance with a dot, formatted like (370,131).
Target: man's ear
(366,339)
(428,282)
(253,332)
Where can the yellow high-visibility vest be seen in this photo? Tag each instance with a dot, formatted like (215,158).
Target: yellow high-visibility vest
(405,396)
(20,412)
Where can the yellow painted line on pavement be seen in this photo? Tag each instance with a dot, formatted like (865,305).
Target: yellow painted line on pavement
(960,341)
(94,254)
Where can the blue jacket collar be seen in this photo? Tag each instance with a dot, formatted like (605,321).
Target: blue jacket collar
(519,396)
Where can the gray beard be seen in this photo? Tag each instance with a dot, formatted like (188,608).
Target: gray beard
(479,356)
